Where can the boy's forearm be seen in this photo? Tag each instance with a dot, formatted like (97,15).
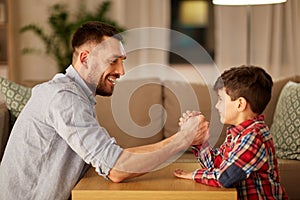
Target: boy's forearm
(207,177)
(205,155)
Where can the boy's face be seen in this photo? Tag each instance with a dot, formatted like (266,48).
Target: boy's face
(226,108)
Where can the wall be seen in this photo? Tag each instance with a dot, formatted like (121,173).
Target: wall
(230,37)
(274,37)
(36,66)
(129,13)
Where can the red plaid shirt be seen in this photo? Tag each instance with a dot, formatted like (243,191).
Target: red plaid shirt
(246,160)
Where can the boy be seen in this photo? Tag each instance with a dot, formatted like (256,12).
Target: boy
(246,160)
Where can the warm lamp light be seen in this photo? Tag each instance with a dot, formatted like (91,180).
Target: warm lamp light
(246,2)
(193,13)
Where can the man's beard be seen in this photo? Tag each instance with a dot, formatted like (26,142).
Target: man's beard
(102,89)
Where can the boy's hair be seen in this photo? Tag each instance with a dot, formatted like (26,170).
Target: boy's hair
(93,31)
(249,82)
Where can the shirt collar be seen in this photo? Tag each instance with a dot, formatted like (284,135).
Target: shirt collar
(236,130)
(73,74)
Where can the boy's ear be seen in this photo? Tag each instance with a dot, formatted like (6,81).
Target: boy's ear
(242,104)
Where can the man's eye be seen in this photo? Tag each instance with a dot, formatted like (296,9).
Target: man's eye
(113,61)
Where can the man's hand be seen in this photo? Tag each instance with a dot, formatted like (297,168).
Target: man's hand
(194,122)
(185,116)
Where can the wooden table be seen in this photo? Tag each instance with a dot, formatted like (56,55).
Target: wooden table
(159,184)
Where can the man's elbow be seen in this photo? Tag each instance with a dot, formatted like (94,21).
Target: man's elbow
(115,179)
(117,176)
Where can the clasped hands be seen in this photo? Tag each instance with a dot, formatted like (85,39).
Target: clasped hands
(194,122)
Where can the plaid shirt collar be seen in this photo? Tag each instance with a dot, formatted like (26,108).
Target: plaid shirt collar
(236,130)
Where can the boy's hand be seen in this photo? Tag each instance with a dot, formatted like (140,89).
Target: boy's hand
(186,115)
(179,173)
(194,121)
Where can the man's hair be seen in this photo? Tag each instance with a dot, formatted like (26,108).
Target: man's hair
(93,31)
(249,82)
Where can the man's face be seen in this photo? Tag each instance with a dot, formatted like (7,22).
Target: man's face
(106,65)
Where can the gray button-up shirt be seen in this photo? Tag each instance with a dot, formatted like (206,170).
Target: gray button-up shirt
(54,135)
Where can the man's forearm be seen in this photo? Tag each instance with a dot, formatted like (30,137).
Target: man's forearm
(140,160)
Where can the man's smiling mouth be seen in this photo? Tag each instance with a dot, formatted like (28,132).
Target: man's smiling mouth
(113,79)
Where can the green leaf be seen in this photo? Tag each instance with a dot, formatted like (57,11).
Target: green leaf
(57,41)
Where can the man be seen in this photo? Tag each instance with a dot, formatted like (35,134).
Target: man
(57,131)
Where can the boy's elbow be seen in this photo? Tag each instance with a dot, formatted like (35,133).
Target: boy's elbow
(232,175)
(226,185)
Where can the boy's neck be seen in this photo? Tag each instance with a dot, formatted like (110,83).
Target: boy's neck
(244,116)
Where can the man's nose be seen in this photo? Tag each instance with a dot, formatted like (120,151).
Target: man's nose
(120,68)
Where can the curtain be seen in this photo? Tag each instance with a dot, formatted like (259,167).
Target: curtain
(274,40)
(136,16)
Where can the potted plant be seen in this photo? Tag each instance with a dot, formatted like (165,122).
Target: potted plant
(58,41)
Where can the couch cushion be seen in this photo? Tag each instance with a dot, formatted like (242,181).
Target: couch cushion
(15,95)
(134,113)
(277,87)
(286,123)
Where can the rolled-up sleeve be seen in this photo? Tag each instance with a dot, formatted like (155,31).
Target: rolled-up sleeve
(73,116)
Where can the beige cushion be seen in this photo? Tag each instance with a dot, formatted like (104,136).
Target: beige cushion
(182,96)
(134,113)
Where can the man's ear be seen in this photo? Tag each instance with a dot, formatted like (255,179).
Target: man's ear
(83,57)
(242,103)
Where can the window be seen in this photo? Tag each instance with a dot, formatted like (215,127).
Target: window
(193,18)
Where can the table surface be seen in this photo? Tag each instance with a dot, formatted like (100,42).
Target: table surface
(160,184)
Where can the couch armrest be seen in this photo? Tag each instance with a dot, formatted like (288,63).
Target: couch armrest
(4,128)
(290,177)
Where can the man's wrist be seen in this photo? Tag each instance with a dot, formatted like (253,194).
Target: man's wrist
(182,139)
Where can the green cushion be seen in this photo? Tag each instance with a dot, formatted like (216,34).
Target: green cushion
(15,96)
(286,122)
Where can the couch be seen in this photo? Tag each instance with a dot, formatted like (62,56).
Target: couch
(145,111)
